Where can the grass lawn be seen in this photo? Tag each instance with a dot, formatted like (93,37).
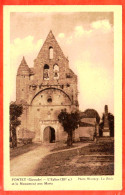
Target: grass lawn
(22,149)
(95,159)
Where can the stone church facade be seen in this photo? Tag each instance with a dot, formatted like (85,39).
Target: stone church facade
(45,90)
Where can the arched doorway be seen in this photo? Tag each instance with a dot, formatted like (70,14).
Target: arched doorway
(49,135)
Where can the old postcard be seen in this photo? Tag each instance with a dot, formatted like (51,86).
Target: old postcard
(62,97)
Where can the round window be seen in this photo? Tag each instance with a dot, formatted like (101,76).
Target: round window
(49,100)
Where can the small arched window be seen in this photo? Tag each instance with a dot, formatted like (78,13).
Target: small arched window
(50,53)
(56,71)
(46,66)
(46,72)
(49,100)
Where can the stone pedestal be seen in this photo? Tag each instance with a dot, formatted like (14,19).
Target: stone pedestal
(106,130)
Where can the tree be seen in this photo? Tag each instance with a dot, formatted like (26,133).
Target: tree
(92,114)
(111,124)
(70,122)
(15,113)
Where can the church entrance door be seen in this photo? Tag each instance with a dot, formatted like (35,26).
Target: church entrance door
(49,134)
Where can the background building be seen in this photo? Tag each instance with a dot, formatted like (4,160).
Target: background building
(88,127)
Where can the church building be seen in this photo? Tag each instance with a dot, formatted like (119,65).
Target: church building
(44,90)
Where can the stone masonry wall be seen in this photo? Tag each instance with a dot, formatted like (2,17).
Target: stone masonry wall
(45,98)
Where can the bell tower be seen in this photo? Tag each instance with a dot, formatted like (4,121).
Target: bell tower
(46,89)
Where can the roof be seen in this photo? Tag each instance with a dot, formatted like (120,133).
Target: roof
(85,115)
(23,68)
(83,124)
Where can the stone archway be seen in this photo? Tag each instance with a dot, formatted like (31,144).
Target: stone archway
(49,134)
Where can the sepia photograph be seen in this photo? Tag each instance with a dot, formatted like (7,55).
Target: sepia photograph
(61,95)
(59,117)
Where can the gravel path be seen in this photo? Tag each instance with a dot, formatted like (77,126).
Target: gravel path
(27,163)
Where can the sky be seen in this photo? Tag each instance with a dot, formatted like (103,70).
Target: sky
(86,38)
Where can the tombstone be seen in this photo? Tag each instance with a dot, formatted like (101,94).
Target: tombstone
(106,130)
